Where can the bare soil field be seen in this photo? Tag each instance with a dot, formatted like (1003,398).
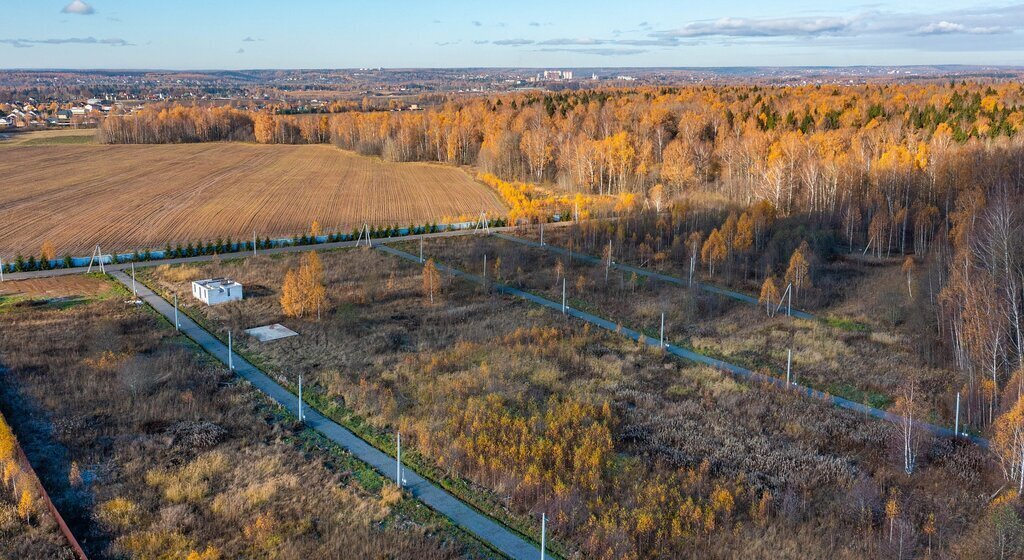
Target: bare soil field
(138,197)
(630,453)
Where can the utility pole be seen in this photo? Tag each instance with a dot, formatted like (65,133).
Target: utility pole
(789,364)
(662,343)
(398,462)
(542,234)
(693,264)
(1,270)
(563,295)
(254,243)
(421,250)
(135,292)
(543,534)
(231,360)
(956,426)
(302,417)
(485,271)
(177,323)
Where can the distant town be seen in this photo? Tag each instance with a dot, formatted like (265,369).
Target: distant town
(32,99)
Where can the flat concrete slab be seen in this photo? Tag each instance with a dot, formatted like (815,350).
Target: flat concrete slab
(270,332)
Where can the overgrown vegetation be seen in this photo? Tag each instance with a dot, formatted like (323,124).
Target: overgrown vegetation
(630,453)
(152,450)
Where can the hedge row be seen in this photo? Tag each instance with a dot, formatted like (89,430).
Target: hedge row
(221,246)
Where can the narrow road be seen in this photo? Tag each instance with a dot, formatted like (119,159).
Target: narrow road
(711,288)
(483,527)
(737,371)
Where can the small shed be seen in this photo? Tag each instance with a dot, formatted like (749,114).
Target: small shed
(213,291)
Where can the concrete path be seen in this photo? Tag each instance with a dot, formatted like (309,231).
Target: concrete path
(483,527)
(710,288)
(736,371)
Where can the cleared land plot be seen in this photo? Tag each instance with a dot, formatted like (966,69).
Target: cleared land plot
(152,450)
(507,401)
(867,367)
(137,197)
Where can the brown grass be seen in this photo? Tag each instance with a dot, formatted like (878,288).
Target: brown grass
(128,197)
(385,354)
(177,456)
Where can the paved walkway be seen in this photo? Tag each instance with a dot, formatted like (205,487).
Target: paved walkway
(483,527)
(644,272)
(735,370)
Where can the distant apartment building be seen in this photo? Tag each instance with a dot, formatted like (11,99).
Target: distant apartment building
(556,75)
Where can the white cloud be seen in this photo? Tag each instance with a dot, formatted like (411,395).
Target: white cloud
(770,27)
(945,28)
(78,7)
(23,43)
(513,42)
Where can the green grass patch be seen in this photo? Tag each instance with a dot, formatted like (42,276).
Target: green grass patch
(870,398)
(847,324)
(59,140)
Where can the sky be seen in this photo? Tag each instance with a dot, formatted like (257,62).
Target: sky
(221,34)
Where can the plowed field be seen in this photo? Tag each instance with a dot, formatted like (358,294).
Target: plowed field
(128,197)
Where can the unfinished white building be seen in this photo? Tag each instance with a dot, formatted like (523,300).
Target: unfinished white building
(216,290)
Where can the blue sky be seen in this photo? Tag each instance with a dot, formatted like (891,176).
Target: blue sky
(221,34)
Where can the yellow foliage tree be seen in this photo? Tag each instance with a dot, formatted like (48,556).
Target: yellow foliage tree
(431,280)
(714,251)
(48,252)
(304,289)
(1008,442)
(25,505)
(908,269)
(263,128)
(769,295)
(799,267)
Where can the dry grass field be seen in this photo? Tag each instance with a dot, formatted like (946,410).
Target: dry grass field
(151,450)
(129,197)
(621,446)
